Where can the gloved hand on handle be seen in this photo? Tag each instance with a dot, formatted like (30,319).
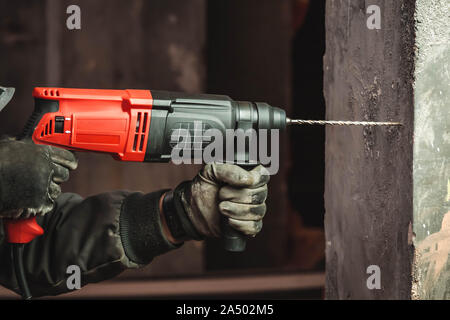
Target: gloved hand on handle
(30,177)
(223,190)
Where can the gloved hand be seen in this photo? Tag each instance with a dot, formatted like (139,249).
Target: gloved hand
(30,177)
(229,190)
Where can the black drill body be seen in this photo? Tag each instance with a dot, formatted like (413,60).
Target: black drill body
(173,111)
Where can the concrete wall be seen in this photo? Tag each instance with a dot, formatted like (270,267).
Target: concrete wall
(432,151)
(368,180)
(388,189)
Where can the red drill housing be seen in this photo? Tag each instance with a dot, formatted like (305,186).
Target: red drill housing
(111,121)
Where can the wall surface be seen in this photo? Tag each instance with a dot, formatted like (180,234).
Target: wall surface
(432,151)
(368,180)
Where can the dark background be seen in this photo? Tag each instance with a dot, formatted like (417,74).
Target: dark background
(260,50)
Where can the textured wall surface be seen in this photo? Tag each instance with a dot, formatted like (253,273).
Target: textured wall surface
(432,151)
(368,179)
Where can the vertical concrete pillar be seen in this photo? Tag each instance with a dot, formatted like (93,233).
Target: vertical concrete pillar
(388,189)
(368,181)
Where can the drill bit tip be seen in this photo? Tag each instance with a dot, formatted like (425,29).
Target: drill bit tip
(340,122)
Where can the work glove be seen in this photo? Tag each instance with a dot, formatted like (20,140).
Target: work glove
(224,190)
(30,177)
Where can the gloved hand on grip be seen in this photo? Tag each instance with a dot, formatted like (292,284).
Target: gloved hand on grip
(225,190)
(30,177)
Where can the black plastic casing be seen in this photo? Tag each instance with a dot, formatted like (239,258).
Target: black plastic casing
(41,107)
(172,111)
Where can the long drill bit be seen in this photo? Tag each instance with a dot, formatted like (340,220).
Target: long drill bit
(340,123)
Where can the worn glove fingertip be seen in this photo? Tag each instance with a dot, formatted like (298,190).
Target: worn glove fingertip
(63,157)
(249,228)
(261,176)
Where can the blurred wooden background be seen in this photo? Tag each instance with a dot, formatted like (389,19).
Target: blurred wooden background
(238,48)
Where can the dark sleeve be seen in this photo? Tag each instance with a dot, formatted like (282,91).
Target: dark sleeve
(103,235)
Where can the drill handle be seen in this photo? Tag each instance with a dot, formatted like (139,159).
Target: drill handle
(234,240)
(22,230)
(41,107)
(25,230)
(18,233)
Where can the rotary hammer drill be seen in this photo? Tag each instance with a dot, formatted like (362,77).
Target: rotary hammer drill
(135,125)
(138,125)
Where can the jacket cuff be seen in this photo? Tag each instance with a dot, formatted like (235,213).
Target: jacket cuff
(141,230)
(181,213)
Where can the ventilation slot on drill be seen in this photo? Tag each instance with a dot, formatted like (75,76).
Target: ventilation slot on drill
(51,93)
(141,131)
(48,130)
